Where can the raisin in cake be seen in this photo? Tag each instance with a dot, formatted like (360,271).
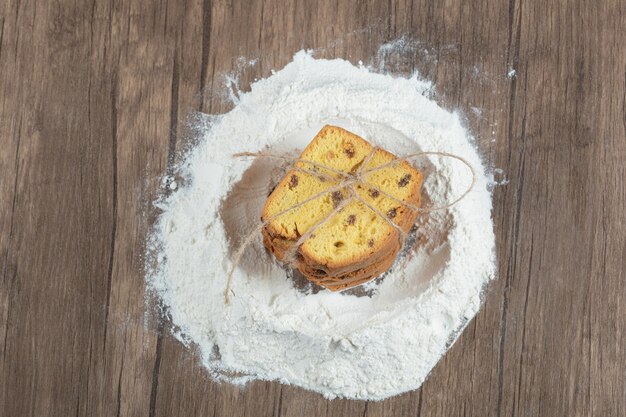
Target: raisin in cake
(342,235)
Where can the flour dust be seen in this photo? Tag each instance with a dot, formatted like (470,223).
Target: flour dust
(373,342)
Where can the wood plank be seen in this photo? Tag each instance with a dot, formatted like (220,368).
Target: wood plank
(93,103)
(58,241)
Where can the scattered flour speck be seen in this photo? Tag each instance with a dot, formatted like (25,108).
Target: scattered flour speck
(512,73)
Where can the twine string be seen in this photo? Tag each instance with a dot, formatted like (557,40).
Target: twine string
(250,237)
(349,181)
(319,175)
(367,160)
(291,160)
(290,255)
(379,213)
(401,233)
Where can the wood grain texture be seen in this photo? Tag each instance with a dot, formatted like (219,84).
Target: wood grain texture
(93,102)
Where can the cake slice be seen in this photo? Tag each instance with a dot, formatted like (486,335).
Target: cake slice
(337,223)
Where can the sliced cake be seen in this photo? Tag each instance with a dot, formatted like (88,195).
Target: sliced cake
(336,217)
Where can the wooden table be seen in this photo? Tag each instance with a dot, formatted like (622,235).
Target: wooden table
(94,96)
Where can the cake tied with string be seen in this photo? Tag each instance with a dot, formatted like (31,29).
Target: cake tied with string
(341,213)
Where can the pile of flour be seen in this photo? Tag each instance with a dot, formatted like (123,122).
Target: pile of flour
(370,343)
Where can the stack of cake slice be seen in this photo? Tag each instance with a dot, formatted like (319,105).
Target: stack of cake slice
(336,216)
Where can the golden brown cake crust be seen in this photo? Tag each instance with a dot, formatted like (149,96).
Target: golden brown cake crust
(336,280)
(327,272)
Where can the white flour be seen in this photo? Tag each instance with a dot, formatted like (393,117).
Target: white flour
(338,344)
